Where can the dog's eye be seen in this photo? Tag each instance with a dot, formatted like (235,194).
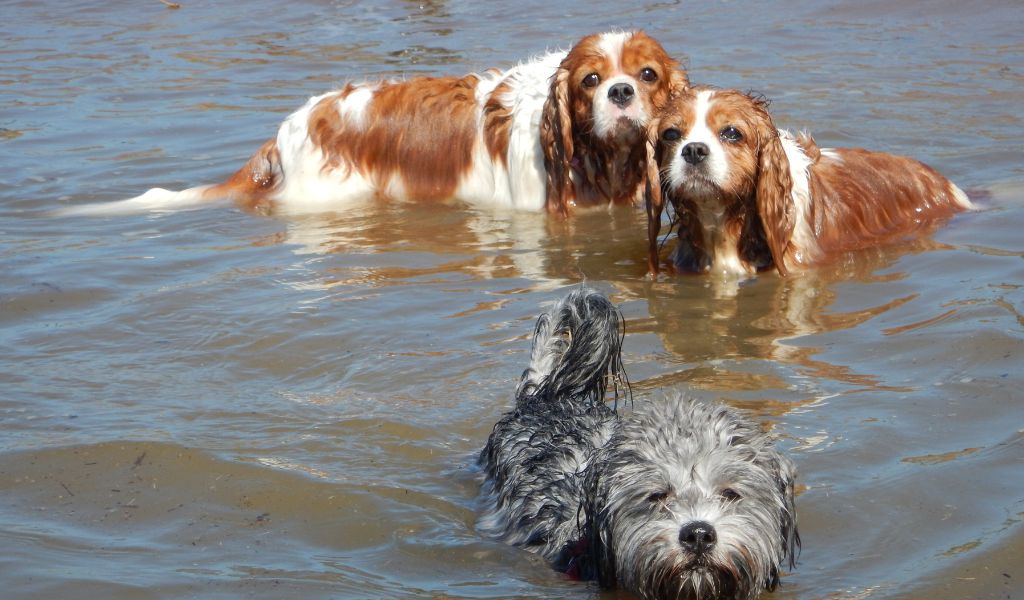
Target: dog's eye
(647,74)
(591,80)
(671,134)
(730,494)
(657,497)
(730,134)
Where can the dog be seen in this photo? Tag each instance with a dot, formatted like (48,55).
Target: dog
(566,129)
(682,499)
(750,197)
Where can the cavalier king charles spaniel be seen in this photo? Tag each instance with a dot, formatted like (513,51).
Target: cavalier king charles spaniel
(750,197)
(563,130)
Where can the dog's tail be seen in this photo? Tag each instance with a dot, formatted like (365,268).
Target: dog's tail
(250,184)
(577,350)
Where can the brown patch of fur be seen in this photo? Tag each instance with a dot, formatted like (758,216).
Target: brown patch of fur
(809,146)
(498,124)
(557,140)
(654,200)
(421,131)
(869,197)
(251,185)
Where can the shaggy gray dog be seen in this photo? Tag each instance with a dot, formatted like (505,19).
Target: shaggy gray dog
(681,499)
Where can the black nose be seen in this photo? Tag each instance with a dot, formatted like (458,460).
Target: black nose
(698,537)
(695,152)
(621,94)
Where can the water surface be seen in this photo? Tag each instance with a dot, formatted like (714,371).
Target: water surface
(216,404)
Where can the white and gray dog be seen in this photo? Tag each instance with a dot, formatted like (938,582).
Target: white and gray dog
(680,499)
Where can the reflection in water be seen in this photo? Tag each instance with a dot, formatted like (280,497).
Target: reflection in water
(485,244)
(703,318)
(698,319)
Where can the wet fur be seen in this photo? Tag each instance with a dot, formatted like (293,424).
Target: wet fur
(603,496)
(774,200)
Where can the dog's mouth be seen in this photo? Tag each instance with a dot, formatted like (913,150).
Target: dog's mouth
(692,183)
(697,182)
(616,124)
(698,580)
(698,587)
(625,124)
(631,116)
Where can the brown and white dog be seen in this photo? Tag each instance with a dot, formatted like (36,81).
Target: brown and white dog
(750,196)
(565,129)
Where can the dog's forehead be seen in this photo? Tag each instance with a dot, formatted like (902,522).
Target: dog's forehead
(705,459)
(678,113)
(711,108)
(728,107)
(599,53)
(703,447)
(612,46)
(640,50)
(625,52)
(700,106)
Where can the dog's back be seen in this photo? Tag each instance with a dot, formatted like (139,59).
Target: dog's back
(861,197)
(545,443)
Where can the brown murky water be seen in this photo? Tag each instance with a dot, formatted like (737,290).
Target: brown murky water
(213,404)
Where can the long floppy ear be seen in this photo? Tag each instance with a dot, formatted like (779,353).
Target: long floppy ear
(556,142)
(774,192)
(653,198)
(784,472)
(790,533)
(598,560)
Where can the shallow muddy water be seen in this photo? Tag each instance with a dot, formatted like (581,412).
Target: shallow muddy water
(215,404)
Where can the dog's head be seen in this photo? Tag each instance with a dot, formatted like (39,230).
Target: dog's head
(690,500)
(603,95)
(721,158)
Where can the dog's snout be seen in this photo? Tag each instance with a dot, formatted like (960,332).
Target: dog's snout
(621,94)
(695,152)
(698,537)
